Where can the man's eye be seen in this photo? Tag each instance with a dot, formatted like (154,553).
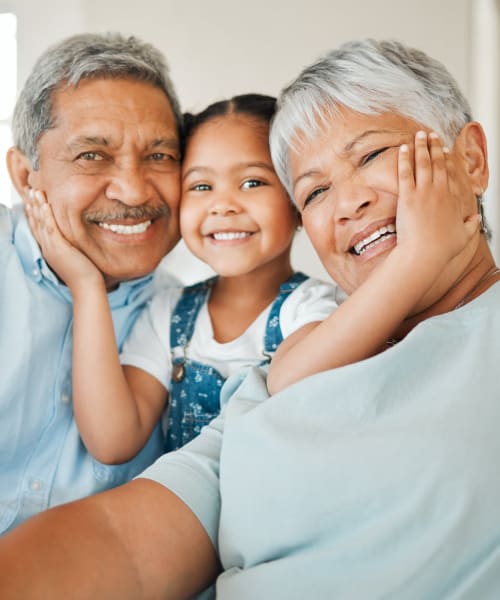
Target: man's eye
(160,156)
(89,156)
(314,194)
(369,157)
(251,183)
(201,187)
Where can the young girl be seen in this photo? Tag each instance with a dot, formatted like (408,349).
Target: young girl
(235,216)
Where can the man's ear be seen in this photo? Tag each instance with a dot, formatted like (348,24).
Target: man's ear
(20,171)
(471,144)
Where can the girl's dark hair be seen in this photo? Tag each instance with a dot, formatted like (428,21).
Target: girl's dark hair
(258,106)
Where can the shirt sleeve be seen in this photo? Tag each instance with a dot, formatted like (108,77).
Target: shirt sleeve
(148,346)
(314,300)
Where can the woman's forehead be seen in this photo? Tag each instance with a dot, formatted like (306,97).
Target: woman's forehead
(339,134)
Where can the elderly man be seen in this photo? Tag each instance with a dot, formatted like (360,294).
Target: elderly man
(96,127)
(377,480)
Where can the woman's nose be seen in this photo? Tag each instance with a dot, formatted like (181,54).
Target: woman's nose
(353,200)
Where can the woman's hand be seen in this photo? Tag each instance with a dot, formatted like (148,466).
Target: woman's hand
(70,265)
(430,221)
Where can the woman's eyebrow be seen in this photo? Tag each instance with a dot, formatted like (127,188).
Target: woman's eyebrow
(361,137)
(345,150)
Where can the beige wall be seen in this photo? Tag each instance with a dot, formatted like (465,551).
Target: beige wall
(218,48)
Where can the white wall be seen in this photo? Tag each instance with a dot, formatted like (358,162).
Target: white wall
(217,48)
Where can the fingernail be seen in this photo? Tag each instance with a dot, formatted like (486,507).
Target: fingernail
(403,148)
(446,150)
(421,135)
(433,135)
(38,196)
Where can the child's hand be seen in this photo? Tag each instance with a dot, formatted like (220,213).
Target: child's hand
(430,221)
(71,265)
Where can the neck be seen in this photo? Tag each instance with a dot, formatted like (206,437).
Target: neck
(456,290)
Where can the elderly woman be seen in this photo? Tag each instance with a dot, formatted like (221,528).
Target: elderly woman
(375,480)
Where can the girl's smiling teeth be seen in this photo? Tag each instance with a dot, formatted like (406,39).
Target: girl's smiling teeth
(126,229)
(224,236)
(379,235)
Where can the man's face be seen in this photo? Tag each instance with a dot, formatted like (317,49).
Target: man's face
(346,187)
(110,170)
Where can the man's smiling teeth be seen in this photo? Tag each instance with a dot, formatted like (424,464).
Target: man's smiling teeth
(126,229)
(230,235)
(373,239)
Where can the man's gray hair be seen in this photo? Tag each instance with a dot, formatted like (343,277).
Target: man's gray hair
(84,56)
(369,77)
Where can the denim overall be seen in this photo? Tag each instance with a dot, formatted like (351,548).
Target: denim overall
(195,387)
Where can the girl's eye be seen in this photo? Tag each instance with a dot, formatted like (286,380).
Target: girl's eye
(201,187)
(369,157)
(314,194)
(251,183)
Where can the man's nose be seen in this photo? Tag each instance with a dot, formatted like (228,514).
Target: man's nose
(353,200)
(129,184)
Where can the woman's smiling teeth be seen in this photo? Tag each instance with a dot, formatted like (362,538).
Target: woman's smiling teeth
(223,236)
(373,239)
(126,229)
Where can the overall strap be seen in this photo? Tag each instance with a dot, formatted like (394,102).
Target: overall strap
(273,334)
(186,311)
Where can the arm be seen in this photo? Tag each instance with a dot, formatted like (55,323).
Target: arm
(359,327)
(115,409)
(136,541)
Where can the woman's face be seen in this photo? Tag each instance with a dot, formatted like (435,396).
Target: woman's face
(346,186)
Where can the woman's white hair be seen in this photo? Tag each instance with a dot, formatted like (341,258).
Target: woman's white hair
(369,77)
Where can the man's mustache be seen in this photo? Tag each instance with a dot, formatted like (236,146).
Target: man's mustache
(128,212)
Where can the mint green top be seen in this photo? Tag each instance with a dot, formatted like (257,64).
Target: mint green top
(376,480)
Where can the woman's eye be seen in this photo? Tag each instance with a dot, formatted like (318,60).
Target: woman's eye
(314,194)
(369,157)
(251,183)
(201,187)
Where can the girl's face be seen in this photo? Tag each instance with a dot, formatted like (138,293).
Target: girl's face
(235,214)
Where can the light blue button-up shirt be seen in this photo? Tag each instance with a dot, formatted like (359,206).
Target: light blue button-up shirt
(43,461)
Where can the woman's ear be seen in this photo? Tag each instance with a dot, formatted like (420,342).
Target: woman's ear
(20,171)
(471,144)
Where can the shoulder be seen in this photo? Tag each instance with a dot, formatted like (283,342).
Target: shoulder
(313,300)
(7,223)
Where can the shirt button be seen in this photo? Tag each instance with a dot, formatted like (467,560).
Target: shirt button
(35,272)
(65,398)
(36,485)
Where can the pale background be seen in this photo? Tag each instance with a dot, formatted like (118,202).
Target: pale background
(218,48)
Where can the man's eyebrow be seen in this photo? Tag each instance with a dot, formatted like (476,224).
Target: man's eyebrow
(87,140)
(168,142)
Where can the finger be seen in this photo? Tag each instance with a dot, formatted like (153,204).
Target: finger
(423,166)
(406,181)
(46,213)
(438,163)
(472,224)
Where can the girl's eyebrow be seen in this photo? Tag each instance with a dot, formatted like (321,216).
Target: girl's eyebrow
(237,167)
